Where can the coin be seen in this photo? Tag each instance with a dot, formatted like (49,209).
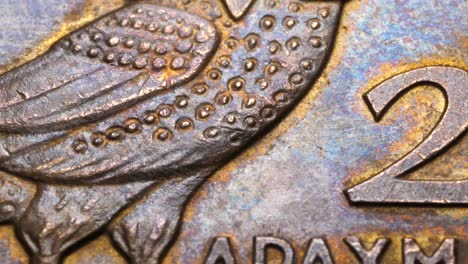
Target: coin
(233,131)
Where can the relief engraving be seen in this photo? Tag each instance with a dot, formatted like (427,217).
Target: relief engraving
(261,245)
(318,250)
(221,251)
(122,120)
(445,253)
(367,256)
(386,187)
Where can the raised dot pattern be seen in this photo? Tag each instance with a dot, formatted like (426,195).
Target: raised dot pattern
(250,81)
(266,68)
(162,40)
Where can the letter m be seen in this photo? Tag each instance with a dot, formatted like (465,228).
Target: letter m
(414,255)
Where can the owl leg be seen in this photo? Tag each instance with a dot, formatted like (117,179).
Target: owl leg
(145,233)
(60,216)
(15,197)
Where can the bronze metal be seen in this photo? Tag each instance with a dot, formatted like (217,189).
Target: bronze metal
(233,131)
(452,125)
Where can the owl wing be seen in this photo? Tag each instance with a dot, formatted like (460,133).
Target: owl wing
(109,65)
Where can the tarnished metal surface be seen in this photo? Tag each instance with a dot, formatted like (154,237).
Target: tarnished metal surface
(385,187)
(287,189)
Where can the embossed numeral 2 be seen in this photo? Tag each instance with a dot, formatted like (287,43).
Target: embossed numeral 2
(387,186)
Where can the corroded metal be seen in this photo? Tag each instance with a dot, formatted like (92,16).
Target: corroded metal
(384,187)
(110,130)
(125,101)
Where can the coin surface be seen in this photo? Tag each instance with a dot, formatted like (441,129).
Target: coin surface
(233,131)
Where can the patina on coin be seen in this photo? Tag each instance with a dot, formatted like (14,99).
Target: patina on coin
(233,131)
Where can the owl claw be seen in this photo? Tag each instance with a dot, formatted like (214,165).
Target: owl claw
(38,259)
(146,232)
(120,239)
(142,242)
(15,196)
